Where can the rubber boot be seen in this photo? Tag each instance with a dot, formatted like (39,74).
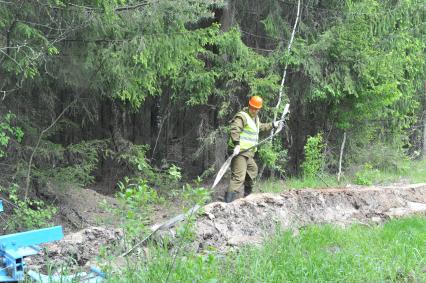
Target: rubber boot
(229,197)
(247,191)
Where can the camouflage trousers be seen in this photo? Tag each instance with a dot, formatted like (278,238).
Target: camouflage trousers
(243,171)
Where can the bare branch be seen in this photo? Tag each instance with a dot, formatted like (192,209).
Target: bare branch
(5,92)
(12,47)
(125,8)
(341,157)
(38,24)
(285,68)
(38,143)
(7,55)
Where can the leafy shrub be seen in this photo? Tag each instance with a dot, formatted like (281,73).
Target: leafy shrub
(366,175)
(134,156)
(137,193)
(174,172)
(27,214)
(137,199)
(7,131)
(314,156)
(136,165)
(194,195)
(274,156)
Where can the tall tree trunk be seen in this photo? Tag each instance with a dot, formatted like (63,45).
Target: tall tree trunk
(227,18)
(121,144)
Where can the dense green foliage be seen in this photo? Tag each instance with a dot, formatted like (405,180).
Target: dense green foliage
(27,214)
(96,90)
(121,93)
(369,65)
(314,156)
(367,70)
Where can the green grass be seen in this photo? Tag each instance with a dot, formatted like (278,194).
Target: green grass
(395,252)
(411,171)
(408,171)
(276,186)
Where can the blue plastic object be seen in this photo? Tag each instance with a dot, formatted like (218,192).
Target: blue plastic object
(30,238)
(15,247)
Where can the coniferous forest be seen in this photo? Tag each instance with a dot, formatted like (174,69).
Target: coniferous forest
(103,94)
(90,89)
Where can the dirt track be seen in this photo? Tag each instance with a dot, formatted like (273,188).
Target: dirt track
(249,220)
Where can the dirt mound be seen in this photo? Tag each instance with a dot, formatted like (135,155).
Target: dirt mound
(251,219)
(75,249)
(81,208)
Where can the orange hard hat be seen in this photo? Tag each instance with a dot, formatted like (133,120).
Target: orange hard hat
(256,102)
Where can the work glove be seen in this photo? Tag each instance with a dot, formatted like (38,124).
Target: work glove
(277,124)
(236,150)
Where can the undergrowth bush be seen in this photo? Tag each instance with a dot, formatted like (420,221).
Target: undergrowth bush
(71,165)
(366,175)
(137,166)
(27,214)
(137,200)
(8,131)
(314,156)
(381,156)
(274,156)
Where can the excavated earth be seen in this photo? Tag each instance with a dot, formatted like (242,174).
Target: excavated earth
(75,250)
(250,220)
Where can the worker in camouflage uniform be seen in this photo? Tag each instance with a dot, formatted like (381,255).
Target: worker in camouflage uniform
(244,133)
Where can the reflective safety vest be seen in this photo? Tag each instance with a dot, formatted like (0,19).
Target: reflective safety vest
(250,134)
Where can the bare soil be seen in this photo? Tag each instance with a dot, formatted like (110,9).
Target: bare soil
(81,208)
(250,220)
(75,250)
(246,221)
